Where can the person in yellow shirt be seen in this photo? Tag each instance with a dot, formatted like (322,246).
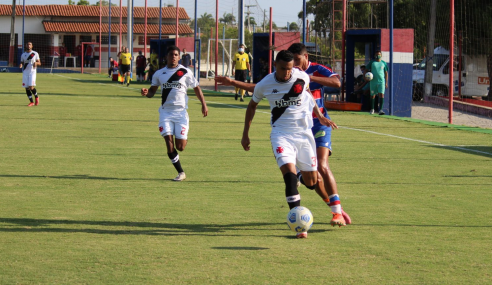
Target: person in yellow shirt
(125,63)
(240,69)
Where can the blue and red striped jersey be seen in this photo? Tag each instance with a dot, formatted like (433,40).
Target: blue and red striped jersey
(315,69)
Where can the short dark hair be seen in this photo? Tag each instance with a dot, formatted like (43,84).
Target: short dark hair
(172,48)
(241,45)
(362,66)
(297,48)
(284,55)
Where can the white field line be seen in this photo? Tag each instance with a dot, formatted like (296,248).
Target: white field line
(348,128)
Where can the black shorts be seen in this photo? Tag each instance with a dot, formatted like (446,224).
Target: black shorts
(241,75)
(125,68)
(140,70)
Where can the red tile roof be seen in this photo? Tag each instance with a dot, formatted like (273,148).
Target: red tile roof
(93,28)
(92,11)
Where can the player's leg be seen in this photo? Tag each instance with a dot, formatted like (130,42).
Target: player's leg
(29,96)
(381,101)
(166,129)
(373,86)
(243,79)
(128,78)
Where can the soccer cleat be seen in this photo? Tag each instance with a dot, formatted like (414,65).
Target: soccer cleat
(242,100)
(235,96)
(381,112)
(346,217)
(371,112)
(301,235)
(127,84)
(37,101)
(181,176)
(30,104)
(337,220)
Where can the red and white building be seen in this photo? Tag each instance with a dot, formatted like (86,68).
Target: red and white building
(52,27)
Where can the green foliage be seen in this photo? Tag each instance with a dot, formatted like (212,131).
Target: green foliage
(227,19)
(293,26)
(83,3)
(103,2)
(71,2)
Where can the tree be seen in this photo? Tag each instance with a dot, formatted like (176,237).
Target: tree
(104,3)
(251,21)
(293,26)
(227,18)
(83,3)
(71,2)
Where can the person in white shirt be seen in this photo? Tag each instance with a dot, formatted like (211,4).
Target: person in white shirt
(174,80)
(291,106)
(29,62)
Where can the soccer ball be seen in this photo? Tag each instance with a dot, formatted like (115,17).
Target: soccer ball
(368,76)
(300,219)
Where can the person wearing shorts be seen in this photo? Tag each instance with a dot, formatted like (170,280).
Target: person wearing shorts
(240,69)
(125,63)
(291,105)
(379,82)
(29,62)
(174,80)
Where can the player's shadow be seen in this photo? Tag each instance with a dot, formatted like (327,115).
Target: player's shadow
(78,176)
(26,225)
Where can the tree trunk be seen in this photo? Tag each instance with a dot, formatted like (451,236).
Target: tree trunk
(489,71)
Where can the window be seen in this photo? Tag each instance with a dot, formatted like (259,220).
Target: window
(105,41)
(141,39)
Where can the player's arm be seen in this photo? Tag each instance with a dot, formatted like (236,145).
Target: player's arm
(37,63)
(249,67)
(250,114)
(199,95)
(386,78)
(322,119)
(233,66)
(149,93)
(332,81)
(224,80)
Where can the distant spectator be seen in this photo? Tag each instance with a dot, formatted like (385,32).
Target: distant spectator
(126,61)
(88,55)
(63,51)
(78,53)
(113,67)
(141,62)
(185,59)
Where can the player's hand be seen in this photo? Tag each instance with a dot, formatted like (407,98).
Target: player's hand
(327,122)
(144,91)
(233,73)
(224,80)
(204,110)
(245,142)
(386,86)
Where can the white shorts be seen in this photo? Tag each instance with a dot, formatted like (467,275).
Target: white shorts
(296,148)
(174,123)
(28,79)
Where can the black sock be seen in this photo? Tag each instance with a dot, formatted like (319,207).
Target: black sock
(174,157)
(291,193)
(35,93)
(29,95)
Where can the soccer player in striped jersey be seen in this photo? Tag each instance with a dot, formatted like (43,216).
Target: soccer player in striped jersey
(291,106)
(321,76)
(174,80)
(29,62)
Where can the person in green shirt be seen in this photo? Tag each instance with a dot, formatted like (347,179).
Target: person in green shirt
(379,83)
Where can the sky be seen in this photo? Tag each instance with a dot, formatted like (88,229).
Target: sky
(283,10)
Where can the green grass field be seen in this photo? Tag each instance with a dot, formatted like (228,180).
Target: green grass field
(86,196)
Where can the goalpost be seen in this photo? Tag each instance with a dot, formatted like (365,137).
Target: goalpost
(226,45)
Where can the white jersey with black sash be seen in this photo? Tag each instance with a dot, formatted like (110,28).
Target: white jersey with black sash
(291,105)
(174,83)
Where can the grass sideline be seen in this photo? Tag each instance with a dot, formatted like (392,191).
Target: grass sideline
(86,196)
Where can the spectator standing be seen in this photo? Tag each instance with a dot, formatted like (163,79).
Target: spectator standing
(88,55)
(185,59)
(141,63)
(78,53)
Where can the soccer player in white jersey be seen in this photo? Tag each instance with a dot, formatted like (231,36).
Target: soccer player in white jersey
(291,105)
(29,62)
(174,80)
